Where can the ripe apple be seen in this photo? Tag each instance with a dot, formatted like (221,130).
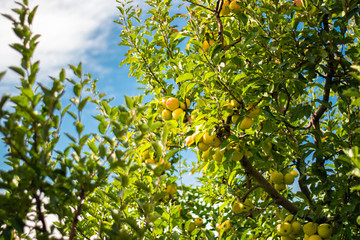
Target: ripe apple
(166,114)
(189,140)
(150,160)
(172,103)
(324,230)
(294,173)
(298,3)
(246,123)
(176,114)
(235,7)
(288,179)
(310,228)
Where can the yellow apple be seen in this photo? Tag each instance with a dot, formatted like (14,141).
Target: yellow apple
(235,118)
(294,173)
(172,103)
(146,154)
(218,155)
(198,221)
(189,140)
(176,114)
(166,114)
(324,230)
(203,146)
(225,8)
(310,228)
(216,143)
(209,139)
(206,45)
(171,189)
(315,237)
(279,186)
(288,179)
(235,7)
(237,207)
(234,103)
(283,229)
(191,227)
(297,228)
(246,123)
(150,160)
(277,177)
(237,156)
(253,110)
(205,155)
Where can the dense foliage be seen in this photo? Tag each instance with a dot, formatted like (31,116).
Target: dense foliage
(264,93)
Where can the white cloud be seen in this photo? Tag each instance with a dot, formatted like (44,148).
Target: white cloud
(70,31)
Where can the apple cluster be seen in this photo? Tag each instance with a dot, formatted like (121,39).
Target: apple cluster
(247,121)
(289,229)
(279,180)
(313,231)
(173,108)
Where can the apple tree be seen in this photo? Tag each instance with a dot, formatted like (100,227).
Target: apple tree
(264,94)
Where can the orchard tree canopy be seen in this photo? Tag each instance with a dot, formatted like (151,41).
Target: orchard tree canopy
(265,94)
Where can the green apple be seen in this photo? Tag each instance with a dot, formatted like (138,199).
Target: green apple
(277,177)
(310,228)
(253,110)
(283,229)
(237,156)
(279,186)
(166,114)
(288,179)
(324,230)
(209,139)
(246,123)
(203,146)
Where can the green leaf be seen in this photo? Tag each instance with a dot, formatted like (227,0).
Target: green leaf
(184,77)
(18,70)
(2,75)
(129,102)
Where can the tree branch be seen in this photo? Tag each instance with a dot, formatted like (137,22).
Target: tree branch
(274,194)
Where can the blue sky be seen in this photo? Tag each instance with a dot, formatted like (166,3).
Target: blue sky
(73,32)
